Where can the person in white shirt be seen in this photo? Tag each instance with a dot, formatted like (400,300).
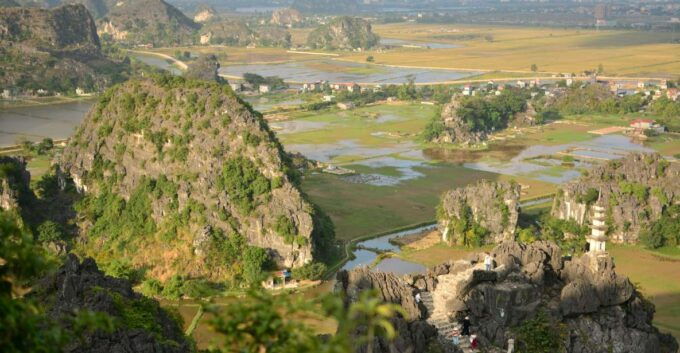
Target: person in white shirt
(488,262)
(417,298)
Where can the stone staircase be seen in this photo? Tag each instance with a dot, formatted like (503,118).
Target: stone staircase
(441,322)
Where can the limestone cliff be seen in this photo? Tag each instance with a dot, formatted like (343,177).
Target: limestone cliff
(190,168)
(155,22)
(286,17)
(344,33)
(635,190)
(206,68)
(587,305)
(141,324)
(204,13)
(55,50)
(14,183)
(413,334)
(481,213)
(235,32)
(455,129)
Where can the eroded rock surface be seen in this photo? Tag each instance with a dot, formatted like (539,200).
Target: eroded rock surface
(599,311)
(142,325)
(634,190)
(492,205)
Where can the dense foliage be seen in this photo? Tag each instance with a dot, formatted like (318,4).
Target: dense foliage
(466,230)
(262,323)
(665,231)
(256,80)
(243,182)
(484,114)
(539,335)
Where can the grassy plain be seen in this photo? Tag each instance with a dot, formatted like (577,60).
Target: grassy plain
(516,49)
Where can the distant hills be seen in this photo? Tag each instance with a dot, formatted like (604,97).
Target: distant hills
(345,33)
(55,50)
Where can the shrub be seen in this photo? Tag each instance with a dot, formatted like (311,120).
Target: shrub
(151,287)
(539,335)
(311,271)
(121,269)
(243,182)
(49,232)
(254,263)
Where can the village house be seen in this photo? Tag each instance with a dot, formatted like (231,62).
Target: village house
(673,94)
(328,98)
(265,89)
(349,87)
(647,125)
(236,87)
(7,94)
(521,84)
(467,90)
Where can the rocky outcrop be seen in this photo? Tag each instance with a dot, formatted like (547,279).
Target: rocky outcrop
(586,301)
(204,13)
(344,33)
(143,22)
(493,206)
(413,334)
(205,68)
(55,50)
(286,17)
(234,32)
(14,183)
(141,324)
(186,155)
(635,190)
(525,118)
(455,129)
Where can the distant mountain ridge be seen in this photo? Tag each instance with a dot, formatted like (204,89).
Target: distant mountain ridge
(56,50)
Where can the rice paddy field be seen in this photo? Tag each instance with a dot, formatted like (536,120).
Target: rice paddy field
(622,53)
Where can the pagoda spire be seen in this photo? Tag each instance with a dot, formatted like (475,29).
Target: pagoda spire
(597,239)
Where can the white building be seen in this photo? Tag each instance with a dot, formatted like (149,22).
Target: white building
(597,240)
(265,89)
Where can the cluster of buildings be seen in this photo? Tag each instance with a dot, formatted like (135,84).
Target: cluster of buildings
(247,87)
(14,93)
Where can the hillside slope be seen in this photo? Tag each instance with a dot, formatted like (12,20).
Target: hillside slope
(56,50)
(345,33)
(135,22)
(178,174)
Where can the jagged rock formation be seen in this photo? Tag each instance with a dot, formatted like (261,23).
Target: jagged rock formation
(634,190)
(142,325)
(204,13)
(155,22)
(494,206)
(233,32)
(596,310)
(54,50)
(344,33)
(97,8)
(414,335)
(192,167)
(455,128)
(525,118)
(205,68)
(14,183)
(286,17)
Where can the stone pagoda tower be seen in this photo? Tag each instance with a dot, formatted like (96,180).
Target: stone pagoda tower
(598,236)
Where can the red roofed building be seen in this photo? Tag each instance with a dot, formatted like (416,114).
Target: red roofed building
(646,124)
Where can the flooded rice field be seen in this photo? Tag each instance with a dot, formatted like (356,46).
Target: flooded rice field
(415,44)
(550,170)
(341,71)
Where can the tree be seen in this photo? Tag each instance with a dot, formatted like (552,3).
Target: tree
(600,69)
(539,335)
(370,59)
(262,323)
(534,68)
